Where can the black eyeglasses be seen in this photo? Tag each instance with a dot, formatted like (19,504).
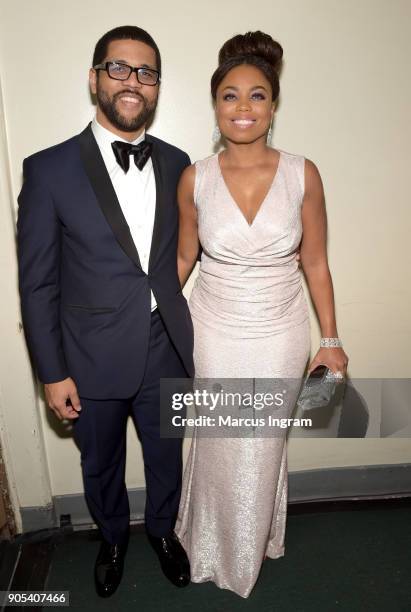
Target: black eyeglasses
(121,72)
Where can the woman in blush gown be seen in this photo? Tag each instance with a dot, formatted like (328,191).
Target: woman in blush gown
(252,208)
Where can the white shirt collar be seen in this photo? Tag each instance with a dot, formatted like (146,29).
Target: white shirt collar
(105,137)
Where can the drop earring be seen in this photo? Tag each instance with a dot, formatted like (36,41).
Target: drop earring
(216,134)
(269,135)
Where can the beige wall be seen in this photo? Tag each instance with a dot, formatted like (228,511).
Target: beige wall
(21,435)
(344,104)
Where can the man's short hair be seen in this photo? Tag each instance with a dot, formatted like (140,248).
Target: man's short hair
(124,33)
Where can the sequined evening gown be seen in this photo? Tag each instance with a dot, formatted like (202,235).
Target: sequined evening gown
(250,320)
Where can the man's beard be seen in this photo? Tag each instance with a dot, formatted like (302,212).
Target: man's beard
(133,124)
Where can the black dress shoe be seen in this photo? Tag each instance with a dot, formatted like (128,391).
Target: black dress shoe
(173,559)
(108,569)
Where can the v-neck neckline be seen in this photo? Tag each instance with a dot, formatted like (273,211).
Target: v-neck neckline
(250,225)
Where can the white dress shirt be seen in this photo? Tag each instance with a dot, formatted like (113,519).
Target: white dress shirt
(136,193)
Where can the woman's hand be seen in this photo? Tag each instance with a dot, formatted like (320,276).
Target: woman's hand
(332,357)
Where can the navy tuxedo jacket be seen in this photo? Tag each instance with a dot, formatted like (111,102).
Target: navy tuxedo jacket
(84,296)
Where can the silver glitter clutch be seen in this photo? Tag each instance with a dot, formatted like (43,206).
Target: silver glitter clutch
(318,389)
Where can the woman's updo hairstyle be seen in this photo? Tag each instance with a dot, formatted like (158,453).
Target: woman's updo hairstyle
(253,48)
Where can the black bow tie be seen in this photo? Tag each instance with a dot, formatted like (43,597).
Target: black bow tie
(123,150)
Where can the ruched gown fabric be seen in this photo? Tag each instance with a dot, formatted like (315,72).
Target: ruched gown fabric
(250,319)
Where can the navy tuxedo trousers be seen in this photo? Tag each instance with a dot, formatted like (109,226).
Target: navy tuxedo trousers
(100,433)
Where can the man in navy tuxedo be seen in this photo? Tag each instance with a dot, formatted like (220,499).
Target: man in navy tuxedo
(102,306)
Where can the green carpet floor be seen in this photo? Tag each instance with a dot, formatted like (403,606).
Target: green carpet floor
(356,560)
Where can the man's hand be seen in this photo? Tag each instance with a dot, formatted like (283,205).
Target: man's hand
(57,395)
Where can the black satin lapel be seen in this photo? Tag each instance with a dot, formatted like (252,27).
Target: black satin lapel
(105,193)
(159,172)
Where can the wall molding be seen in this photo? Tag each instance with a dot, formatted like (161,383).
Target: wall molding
(343,483)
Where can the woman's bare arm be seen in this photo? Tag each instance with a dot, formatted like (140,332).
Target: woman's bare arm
(188,242)
(313,257)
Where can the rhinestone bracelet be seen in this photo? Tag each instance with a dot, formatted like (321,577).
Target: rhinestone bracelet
(330,342)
